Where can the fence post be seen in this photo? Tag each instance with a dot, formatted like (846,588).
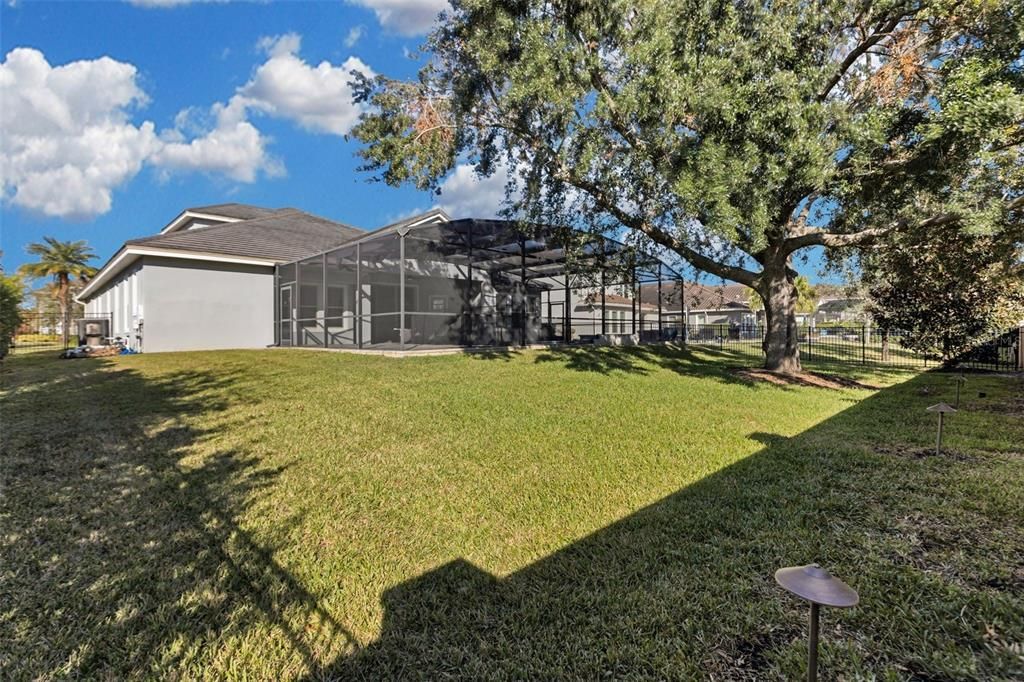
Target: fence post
(810,341)
(1020,348)
(863,347)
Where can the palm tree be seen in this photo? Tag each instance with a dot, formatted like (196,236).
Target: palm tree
(63,261)
(806,302)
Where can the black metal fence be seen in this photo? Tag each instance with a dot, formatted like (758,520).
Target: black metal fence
(846,344)
(39,332)
(860,344)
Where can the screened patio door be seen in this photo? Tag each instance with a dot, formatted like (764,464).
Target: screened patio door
(287,315)
(556,320)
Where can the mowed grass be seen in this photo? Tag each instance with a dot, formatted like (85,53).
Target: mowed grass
(612,513)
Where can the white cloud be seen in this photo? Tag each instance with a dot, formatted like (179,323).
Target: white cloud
(355,34)
(319,97)
(231,147)
(278,46)
(464,194)
(406,17)
(68,139)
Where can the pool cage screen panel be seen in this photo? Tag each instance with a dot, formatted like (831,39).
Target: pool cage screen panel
(467,283)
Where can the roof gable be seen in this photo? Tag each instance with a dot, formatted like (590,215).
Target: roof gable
(235,210)
(219,213)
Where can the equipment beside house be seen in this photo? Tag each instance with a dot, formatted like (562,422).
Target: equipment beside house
(93,331)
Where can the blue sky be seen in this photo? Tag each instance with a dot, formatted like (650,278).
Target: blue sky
(121,114)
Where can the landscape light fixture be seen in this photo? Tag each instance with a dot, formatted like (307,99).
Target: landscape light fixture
(942,409)
(816,585)
(960,381)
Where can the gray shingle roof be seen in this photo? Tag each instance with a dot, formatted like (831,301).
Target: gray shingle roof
(615,299)
(699,296)
(239,211)
(283,235)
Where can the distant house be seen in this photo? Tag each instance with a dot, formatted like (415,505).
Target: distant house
(618,316)
(729,304)
(704,304)
(839,309)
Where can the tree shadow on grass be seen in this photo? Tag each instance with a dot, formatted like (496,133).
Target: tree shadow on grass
(496,353)
(683,588)
(643,359)
(122,553)
(706,361)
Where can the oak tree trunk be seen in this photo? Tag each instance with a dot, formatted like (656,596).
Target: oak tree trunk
(781,342)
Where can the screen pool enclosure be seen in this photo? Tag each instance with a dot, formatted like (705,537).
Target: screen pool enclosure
(471,283)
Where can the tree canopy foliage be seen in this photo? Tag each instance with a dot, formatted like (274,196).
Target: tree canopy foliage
(11,294)
(734,134)
(947,289)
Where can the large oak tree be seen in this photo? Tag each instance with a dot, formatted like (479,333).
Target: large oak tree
(732,133)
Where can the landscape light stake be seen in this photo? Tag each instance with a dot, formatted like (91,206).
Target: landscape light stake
(942,409)
(960,381)
(817,586)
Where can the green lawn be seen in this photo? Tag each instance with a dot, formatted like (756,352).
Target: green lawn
(612,513)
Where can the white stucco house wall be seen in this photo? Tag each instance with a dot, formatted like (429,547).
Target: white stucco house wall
(206,281)
(618,315)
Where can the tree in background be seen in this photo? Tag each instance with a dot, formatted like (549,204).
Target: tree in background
(67,263)
(11,294)
(806,295)
(734,134)
(947,290)
(806,301)
(46,302)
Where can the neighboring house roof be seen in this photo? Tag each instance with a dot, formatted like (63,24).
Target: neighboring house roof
(594,299)
(827,292)
(840,305)
(699,296)
(832,298)
(723,307)
(278,236)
